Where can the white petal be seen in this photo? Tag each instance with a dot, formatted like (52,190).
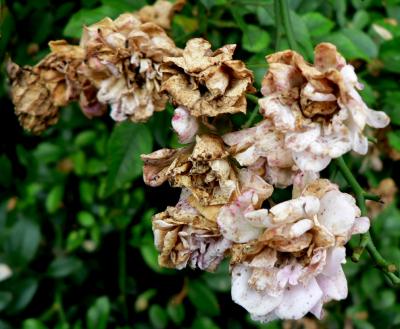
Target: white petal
(292,210)
(308,161)
(299,300)
(300,227)
(377,119)
(361,225)
(256,303)
(259,218)
(185,125)
(332,279)
(300,141)
(337,212)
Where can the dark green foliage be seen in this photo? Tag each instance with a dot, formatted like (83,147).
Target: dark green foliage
(75,217)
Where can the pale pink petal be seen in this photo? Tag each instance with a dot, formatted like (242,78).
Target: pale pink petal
(259,218)
(361,225)
(377,119)
(292,210)
(185,125)
(256,303)
(281,115)
(332,279)
(299,300)
(337,212)
(232,222)
(299,141)
(307,161)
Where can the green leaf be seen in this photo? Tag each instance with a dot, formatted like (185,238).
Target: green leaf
(64,266)
(125,5)
(75,240)
(176,312)
(317,24)
(360,20)
(362,41)
(158,317)
(23,293)
(85,16)
(127,142)
(98,314)
(255,39)
(33,324)
(86,219)
(47,153)
(390,55)
(204,323)
(394,139)
(392,106)
(203,298)
(302,35)
(22,241)
(219,280)
(345,46)
(85,138)
(54,199)
(5,299)
(211,3)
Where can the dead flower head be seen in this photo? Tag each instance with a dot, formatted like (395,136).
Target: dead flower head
(161,12)
(202,168)
(185,236)
(205,82)
(293,266)
(317,107)
(122,59)
(37,92)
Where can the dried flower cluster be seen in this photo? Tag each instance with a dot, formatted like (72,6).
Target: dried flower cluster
(285,258)
(117,63)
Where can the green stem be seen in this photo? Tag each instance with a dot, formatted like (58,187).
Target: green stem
(251,119)
(252,98)
(371,196)
(278,25)
(58,304)
(284,8)
(122,270)
(366,241)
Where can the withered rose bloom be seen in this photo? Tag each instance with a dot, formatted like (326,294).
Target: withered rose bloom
(386,190)
(262,149)
(203,168)
(317,107)
(122,59)
(184,236)
(37,92)
(293,265)
(205,82)
(161,12)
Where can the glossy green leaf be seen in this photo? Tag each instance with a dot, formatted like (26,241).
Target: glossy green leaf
(54,199)
(64,266)
(317,24)
(98,314)
(255,39)
(203,298)
(176,312)
(87,17)
(127,142)
(158,317)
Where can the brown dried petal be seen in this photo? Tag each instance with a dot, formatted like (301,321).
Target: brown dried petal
(161,12)
(206,82)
